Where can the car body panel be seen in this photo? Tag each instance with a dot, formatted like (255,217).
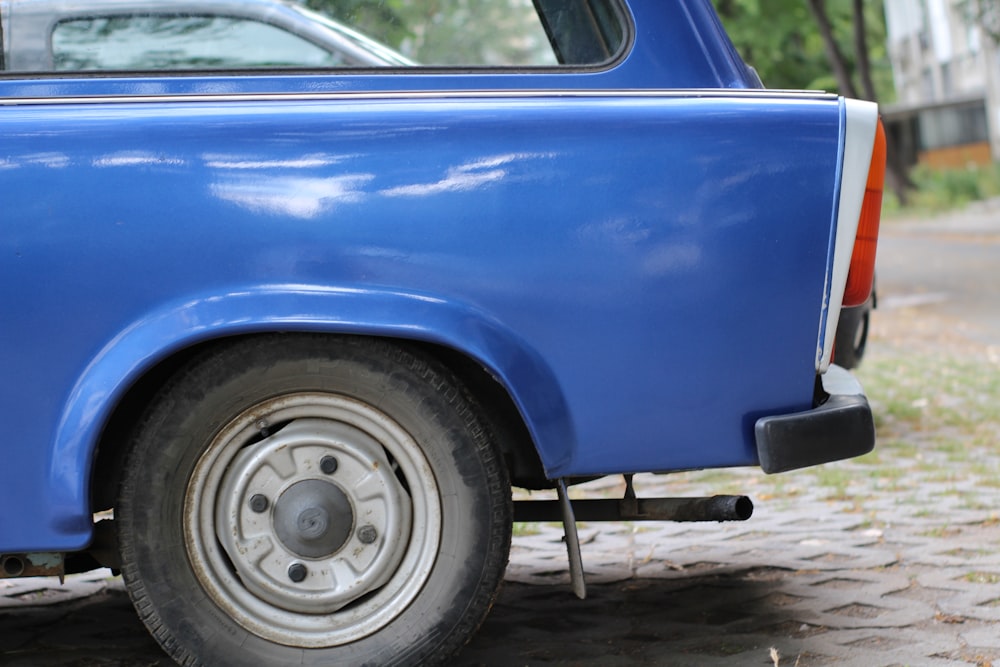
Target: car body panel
(350,204)
(639,253)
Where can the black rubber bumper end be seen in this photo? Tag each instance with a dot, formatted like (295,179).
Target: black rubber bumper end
(840,428)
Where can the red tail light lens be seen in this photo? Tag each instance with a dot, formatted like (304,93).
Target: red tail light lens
(862,271)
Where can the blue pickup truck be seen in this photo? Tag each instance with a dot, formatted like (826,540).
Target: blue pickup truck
(294,295)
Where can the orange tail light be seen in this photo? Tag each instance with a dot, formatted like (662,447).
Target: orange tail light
(862,271)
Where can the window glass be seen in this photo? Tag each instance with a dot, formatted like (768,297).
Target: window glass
(312,34)
(491,33)
(451,32)
(180,42)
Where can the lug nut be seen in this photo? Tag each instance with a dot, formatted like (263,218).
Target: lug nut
(297,572)
(328,465)
(367,534)
(258,502)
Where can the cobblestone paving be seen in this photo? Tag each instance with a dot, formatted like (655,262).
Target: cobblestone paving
(892,559)
(814,578)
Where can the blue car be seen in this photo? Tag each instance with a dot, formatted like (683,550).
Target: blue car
(281,332)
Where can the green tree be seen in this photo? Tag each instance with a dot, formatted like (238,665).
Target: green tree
(793,48)
(777,37)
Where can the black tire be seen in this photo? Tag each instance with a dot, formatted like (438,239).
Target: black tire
(261,417)
(852,336)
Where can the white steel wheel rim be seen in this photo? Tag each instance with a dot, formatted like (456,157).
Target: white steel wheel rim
(357,585)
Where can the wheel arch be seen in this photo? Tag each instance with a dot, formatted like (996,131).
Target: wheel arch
(520,398)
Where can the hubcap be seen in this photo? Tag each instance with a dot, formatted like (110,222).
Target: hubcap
(313,519)
(313,516)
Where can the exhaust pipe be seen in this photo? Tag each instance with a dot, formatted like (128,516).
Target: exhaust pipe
(714,508)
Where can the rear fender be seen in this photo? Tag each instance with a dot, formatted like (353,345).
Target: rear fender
(182,324)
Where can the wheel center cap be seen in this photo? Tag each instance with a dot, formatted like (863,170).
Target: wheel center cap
(313,523)
(313,518)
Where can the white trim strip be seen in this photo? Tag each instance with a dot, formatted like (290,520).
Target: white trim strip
(420,95)
(861,119)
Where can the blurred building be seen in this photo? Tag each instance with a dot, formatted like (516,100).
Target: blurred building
(946,67)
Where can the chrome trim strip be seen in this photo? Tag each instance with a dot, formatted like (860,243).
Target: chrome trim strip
(420,95)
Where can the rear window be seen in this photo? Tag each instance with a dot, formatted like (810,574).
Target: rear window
(491,33)
(181,42)
(51,35)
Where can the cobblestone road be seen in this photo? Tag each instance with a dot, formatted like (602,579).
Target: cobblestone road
(891,559)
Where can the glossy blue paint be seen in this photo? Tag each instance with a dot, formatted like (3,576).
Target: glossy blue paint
(643,273)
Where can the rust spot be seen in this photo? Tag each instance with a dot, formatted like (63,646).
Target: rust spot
(32,565)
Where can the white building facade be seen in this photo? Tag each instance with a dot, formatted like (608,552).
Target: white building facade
(946,68)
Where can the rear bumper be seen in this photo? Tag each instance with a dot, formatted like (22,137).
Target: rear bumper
(841,427)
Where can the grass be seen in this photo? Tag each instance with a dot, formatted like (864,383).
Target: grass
(954,398)
(525,529)
(941,532)
(940,190)
(972,501)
